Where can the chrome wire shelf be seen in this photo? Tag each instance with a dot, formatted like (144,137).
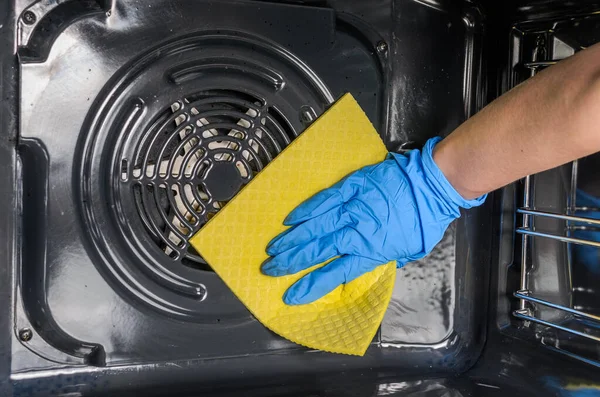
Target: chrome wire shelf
(527,231)
(566,239)
(573,220)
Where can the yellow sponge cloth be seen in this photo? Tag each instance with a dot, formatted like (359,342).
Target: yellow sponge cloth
(234,241)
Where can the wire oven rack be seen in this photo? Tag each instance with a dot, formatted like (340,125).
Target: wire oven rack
(572,218)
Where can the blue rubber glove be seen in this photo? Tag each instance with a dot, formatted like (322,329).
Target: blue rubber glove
(396,210)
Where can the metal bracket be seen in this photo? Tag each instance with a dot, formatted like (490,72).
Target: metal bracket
(31,17)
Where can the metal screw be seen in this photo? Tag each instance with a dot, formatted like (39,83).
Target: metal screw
(29,18)
(25,334)
(382,47)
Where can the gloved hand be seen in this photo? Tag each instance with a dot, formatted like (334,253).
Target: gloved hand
(397,210)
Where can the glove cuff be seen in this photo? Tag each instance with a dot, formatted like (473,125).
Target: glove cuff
(438,180)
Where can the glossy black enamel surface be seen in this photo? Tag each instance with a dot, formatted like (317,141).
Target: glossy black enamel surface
(100,293)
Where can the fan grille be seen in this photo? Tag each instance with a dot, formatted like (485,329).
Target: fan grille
(195,156)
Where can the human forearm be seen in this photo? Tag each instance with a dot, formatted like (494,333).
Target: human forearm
(551,119)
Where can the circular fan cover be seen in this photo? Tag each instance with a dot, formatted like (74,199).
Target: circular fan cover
(195,157)
(174,136)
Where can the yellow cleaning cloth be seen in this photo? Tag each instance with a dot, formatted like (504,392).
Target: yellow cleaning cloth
(234,241)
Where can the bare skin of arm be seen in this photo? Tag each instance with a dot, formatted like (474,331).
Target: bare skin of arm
(547,121)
